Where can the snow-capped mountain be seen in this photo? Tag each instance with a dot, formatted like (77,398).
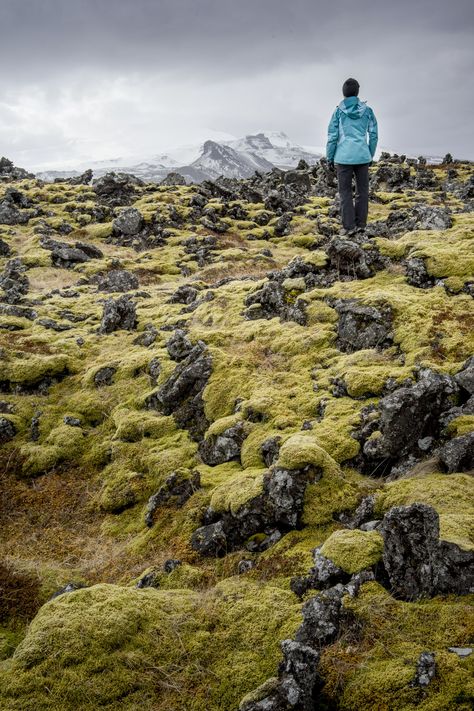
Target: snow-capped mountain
(231,157)
(276,148)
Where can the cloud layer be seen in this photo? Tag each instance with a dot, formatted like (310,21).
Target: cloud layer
(96,79)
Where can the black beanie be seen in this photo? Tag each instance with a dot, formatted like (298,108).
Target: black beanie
(350,87)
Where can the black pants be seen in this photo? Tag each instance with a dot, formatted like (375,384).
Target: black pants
(353,215)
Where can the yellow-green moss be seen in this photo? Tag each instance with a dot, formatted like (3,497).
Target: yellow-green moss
(149,648)
(376,672)
(353,550)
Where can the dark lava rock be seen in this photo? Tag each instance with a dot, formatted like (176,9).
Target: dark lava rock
(118,280)
(409,419)
(457,455)
(277,508)
(348,258)
(224,447)
(14,282)
(148,337)
(174,178)
(13,208)
(417,563)
(65,255)
(5,250)
(181,394)
(271,300)
(417,274)
(53,325)
(104,376)
(7,430)
(389,177)
(176,490)
(184,294)
(465,377)
(129,222)
(282,225)
(154,369)
(21,311)
(179,346)
(324,574)
(71,421)
(118,314)
(117,188)
(270,449)
(425,670)
(9,172)
(361,327)
(69,588)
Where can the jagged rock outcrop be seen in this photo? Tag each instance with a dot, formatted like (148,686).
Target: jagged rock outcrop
(223,447)
(117,280)
(361,326)
(14,208)
(408,423)
(276,509)
(9,172)
(181,394)
(66,256)
(117,188)
(118,314)
(14,282)
(417,563)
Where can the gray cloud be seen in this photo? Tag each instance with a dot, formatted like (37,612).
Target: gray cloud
(98,78)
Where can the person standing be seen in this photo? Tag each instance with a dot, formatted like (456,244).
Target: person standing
(351,124)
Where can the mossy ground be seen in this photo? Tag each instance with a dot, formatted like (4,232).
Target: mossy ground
(73,501)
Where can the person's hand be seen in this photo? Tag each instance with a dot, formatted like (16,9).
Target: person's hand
(331,164)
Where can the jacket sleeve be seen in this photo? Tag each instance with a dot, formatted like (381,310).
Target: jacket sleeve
(333,135)
(372,129)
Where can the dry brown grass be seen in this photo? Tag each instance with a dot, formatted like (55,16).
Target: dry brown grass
(236,270)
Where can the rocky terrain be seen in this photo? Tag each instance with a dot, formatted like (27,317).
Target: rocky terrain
(237,446)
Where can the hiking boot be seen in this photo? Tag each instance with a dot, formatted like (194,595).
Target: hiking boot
(348,233)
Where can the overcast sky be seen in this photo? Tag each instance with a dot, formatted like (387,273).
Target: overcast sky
(86,80)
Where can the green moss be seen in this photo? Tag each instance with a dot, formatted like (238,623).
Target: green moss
(301,449)
(149,648)
(377,673)
(122,488)
(63,444)
(353,550)
(133,425)
(233,495)
(30,370)
(451,495)
(461,425)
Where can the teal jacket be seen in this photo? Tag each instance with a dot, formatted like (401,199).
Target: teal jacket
(348,128)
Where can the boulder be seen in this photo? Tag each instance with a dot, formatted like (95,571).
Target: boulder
(117,188)
(416,562)
(118,280)
(361,327)
(179,346)
(66,256)
(174,178)
(118,314)
(457,455)
(223,447)
(129,222)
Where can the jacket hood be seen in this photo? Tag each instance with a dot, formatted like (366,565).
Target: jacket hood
(353,107)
